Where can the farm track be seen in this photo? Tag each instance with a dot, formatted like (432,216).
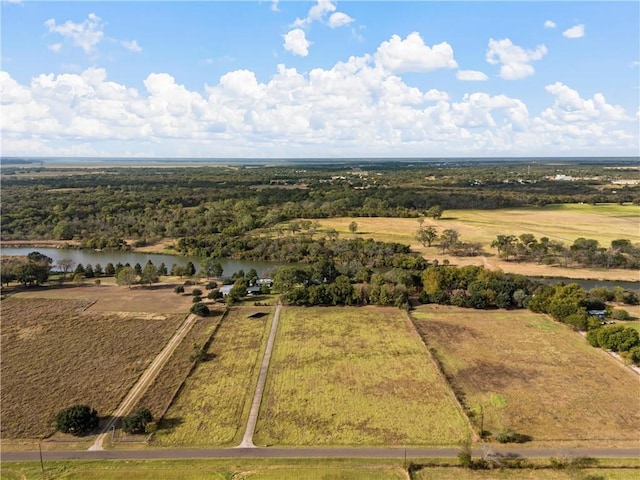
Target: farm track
(144,381)
(247,439)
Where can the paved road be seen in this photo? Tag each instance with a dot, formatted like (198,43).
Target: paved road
(145,380)
(247,439)
(336,452)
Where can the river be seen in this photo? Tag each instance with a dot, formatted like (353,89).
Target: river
(264,269)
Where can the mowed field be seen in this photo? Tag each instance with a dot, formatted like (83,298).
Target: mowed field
(521,371)
(564,223)
(212,407)
(59,352)
(354,376)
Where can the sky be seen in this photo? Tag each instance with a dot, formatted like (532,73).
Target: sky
(319,79)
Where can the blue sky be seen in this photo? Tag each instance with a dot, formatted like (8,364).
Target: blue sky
(320,79)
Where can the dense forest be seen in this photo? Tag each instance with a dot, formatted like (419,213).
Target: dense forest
(217,205)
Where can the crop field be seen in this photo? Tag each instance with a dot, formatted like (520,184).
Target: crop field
(56,353)
(213,405)
(354,376)
(521,371)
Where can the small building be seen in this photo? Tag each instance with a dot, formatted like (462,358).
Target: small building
(601,314)
(255,290)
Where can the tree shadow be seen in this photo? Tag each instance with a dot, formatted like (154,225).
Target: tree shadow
(169,424)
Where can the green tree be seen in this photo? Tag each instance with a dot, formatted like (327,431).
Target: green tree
(200,309)
(448,239)
(126,276)
(149,274)
(436,212)
(190,269)
(353,227)
(77,419)
(109,270)
(426,236)
(212,267)
(137,421)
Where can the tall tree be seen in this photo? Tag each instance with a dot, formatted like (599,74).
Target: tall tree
(126,276)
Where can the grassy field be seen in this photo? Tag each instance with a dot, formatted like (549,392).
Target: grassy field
(564,223)
(291,469)
(354,376)
(56,353)
(161,392)
(213,405)
(527,373)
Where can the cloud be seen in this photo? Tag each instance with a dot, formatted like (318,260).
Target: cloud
(634,64)
(569,107)
(132,45)
(296,42)
(576,31)
(412,55)
(358,107)
(85,35)
(339,19)
(514,59)
(274,6)
(55,47)
(470,75)
(549,24)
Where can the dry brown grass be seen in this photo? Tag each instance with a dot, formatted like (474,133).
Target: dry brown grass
(58,352)
(534,376)
(564,223)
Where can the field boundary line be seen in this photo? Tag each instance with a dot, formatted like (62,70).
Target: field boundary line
(145,380)
(192,367)
(247,439)
(441,373)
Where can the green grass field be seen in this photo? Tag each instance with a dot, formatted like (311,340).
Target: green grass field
(293,469)
(520,370)
(213,405)
(354,376)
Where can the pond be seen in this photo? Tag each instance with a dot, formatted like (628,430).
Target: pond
(84,256)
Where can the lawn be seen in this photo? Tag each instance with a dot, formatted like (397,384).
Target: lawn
(56,353)
(354,376)
(213,405)
(520,370)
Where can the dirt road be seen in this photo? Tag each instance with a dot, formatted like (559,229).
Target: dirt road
(145,380)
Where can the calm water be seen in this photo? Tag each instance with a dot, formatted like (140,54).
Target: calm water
(85,256)
(264,269)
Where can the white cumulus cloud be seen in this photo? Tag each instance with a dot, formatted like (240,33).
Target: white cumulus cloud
(339,19)
(295,41)
(132,45)
(515,61)
(85,35)
(549,24)
(576,31)
(471,75)
(412,55)
(55,47)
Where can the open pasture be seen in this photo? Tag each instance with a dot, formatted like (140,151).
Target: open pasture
(564,223)
(354,376)
(443,473)
(56,352)
(521,371)
(108,297)
(213,405)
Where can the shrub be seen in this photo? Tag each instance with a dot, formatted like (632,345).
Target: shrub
(509,436)
(214,294)
(178,289)
(200,309)
(196,292)
(620,314)
(197,299)
(137,422)
(211,285)
(77,420)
